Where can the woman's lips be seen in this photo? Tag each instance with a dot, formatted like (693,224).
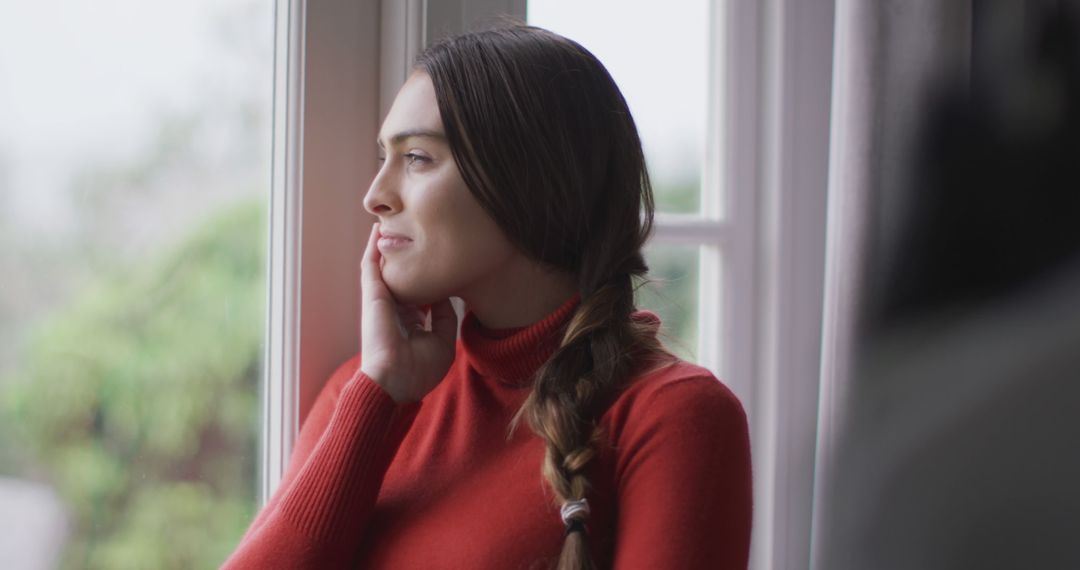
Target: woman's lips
(392,242)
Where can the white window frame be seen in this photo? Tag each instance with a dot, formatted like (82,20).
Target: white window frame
(795,54)
(338,64)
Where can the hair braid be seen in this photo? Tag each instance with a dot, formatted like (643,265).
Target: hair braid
(601,346)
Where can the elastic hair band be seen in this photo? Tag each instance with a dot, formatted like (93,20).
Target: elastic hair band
(574,523)
(571,508)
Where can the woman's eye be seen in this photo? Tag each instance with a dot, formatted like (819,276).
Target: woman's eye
(413,158)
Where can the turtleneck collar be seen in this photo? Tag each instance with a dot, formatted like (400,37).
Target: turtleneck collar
(512,355)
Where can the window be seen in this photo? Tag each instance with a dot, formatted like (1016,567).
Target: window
(134,173)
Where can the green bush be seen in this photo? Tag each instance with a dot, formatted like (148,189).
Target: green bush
(139,402)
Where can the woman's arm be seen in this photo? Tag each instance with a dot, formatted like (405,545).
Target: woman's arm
(319,511)
(684,482)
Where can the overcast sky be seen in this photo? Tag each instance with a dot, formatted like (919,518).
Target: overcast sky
(84,82)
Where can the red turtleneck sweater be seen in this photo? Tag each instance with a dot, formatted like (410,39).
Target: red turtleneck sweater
(436,484)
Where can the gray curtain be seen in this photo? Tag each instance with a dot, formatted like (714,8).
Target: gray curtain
(948,429)
(886,53)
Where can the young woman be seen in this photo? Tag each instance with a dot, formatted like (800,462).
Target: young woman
(513,178)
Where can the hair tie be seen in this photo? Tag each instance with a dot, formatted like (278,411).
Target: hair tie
(574,523)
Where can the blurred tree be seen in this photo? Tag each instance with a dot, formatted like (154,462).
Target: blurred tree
(682,197)
(138,401)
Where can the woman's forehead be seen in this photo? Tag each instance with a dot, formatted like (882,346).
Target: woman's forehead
(415,112)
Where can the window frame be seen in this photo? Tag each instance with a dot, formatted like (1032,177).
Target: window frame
(325,110)
(338,64)
(795,57)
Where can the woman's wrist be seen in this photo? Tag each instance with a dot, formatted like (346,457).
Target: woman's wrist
(382,379)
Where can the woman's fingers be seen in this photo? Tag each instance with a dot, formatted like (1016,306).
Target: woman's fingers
(411,317)
(376,303)
(370,275)
(375,299)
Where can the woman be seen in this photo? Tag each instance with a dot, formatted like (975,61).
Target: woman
(513,178)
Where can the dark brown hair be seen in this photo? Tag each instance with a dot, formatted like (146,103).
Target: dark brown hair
(545,141)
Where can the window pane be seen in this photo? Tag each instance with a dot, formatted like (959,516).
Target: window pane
(134,167)
(657,53)
(672,293)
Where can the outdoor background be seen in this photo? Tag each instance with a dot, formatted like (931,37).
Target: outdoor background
(134,178)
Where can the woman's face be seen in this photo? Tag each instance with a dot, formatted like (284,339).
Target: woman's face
(450,243)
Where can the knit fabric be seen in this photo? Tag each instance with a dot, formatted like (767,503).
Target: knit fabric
(437,483)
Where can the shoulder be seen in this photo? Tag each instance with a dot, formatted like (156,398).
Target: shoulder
(676,418)
(676,390)
(676,393)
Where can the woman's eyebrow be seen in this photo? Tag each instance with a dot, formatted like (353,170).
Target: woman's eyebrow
(408,134)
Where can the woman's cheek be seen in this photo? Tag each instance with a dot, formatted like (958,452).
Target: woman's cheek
(415,289)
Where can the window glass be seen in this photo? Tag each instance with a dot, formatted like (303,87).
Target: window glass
(672,293)
(657,54)
(134,172)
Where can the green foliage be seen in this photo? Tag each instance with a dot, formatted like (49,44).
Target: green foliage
(683,197)
(139,401)
(175,525)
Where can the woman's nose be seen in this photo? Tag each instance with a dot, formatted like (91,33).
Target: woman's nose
(382,197)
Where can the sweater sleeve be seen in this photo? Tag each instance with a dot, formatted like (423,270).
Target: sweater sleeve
(683,480)
(317,514)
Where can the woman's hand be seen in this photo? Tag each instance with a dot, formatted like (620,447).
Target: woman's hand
(406,350)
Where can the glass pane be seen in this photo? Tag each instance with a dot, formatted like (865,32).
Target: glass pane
(657,53)
(672,293)
(134,168)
